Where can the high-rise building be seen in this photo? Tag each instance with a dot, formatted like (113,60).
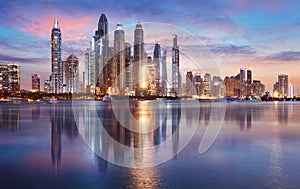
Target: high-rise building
(242,83)
(283,85)
(72,74)
(276,89)
(217,87)
(176,85)
(189,83)
(3,78)
(47,86)
(248,83)
(232,86)
(101,52)
(292,90)
(56,62)
(138,55)
(198,84)
(14,78)
(160,62)
(258,88)
(119,46)
(129,68)
(157,60)
(206,84)
(35,82)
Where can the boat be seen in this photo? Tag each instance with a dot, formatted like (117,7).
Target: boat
(51,100)
(16,100)
(106,98)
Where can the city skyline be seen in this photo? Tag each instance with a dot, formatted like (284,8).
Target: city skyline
(231,32)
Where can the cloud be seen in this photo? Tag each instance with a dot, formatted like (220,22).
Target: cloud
(284,56)
(229,49)
(10,59)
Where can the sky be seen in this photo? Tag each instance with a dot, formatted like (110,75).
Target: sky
(263,36)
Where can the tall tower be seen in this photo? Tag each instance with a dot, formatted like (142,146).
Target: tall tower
(175,66)
(248,83)
(72,74)
(242,82)
(119,47)
(36,83)
(138,55)
(157,61)
(283,81)
(101,51)
(128,67)
(14,78)
(56,64)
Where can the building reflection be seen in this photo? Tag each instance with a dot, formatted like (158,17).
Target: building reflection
(10,118)
(283,113)
(160,124)
(62,121)
(242,115)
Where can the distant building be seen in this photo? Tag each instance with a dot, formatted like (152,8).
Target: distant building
(47,86)
(276,89)
(14,78)
(217,87)
(242,83)
(128,68)
(258,88)
(119,47)
(249,88)
(3,78)
(138,55)
(232,86)
(35,82)
(176,85)
(283,85)
(72,74)
(292,90)
(189,83)
(198,84)
(206,84)
(101,53)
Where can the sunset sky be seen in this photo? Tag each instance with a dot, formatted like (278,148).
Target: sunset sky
(263,36)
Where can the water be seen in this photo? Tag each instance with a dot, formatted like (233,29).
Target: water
(42,147)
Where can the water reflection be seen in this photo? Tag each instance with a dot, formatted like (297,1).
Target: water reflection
(62,121)
(159,130)
(10,118)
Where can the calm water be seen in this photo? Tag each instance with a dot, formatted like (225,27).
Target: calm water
(49,146)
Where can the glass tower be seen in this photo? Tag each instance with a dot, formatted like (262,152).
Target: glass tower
(56,63)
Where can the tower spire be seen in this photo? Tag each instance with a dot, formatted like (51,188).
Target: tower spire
(56,25)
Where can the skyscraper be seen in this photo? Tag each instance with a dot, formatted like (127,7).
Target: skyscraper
(129,67)
(138,55)
(35,82)
(242,83)
(56,63)
(72,74)
(47,86)
(248,83)
(101,51)
(292,90)
(189,83)
(14,78)
(176,85)
(283,85)
(3,78)
(119,46)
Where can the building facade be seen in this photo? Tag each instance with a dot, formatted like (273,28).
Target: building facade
(56,61)
(176,84)
(35,82)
